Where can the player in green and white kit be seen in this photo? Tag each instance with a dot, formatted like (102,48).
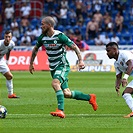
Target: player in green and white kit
(54,42)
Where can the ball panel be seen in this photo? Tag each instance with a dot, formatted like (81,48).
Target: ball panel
(3,111)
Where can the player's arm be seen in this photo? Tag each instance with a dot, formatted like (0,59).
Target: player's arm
(7,56)
(77,51)
(127,73)
(118,82)
(33,55)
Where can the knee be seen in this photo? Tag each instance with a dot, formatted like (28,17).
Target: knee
(55,84)
(9,77)
(67,94)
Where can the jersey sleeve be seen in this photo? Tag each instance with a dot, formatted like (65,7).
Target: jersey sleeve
(39,42)
(65,40)
(12,45)
(127,56)
(117,70)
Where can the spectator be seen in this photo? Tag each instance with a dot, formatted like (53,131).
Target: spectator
(119,22)
(9,14)
(50,4)
(36,32)
(25,10)
(29,32)
(15,28)
(25,40)
(91,29)
(72,17)
(116,4)
(82,45)
(98,41)
(108,6)
(63,15)
(24,24)
(106,40)
(14,38)
(107,19)
(97,5)
(64,3)
(115,38)
(98,17)
(79,5)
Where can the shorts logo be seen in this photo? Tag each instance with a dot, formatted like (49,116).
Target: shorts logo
(58,72)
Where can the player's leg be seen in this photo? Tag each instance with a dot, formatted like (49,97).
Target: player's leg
(77,94)
(127,95)
(56,84)
(9,79)
(81,96)
(9,84)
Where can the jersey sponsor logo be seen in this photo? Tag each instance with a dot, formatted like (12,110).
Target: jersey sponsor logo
(52,45)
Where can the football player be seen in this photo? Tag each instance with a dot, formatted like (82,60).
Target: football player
(123,64)
(6,45)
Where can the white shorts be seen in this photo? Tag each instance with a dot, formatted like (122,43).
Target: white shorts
(130,84)
(3,66)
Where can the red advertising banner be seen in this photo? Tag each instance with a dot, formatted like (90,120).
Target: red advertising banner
(20,60)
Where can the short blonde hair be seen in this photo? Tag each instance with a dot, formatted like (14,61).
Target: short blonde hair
(49,20)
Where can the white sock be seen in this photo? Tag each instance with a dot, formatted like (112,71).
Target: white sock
(129,100)
(9,86)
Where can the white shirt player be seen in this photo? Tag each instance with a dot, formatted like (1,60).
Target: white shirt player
(5,49)
(120,64)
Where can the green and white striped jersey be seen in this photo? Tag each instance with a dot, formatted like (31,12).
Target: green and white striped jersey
(55,48)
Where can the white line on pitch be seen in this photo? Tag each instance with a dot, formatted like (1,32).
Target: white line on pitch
(69,114)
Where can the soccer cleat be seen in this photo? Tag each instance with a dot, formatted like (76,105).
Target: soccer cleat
(58,113)
(129,115)
(13,96)
(92,101)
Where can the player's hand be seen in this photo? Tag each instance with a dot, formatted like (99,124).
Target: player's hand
(117,88)
(81,65)
(31,69)
(124,82)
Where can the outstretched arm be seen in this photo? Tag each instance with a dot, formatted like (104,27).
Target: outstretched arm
(118,83)
(34,53)
(77,51)
(127,73)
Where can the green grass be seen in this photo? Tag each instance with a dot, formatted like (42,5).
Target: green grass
(30,113)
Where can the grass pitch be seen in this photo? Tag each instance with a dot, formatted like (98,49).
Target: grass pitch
(30,113)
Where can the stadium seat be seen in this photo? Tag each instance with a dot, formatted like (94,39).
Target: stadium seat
(90,42)
(61,28)
(68,27)
(86,21)
(123,42)
(35,21)
(126,36)
(33,43)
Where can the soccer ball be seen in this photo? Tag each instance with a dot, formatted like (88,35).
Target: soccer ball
(3,111)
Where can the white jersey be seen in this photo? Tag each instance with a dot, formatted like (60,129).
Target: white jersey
(120,64)
(4,49)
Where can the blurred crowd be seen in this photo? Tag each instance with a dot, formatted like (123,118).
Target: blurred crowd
(86,22)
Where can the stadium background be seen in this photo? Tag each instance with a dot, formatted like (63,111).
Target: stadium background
(41,8)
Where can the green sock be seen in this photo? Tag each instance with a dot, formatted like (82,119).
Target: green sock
(60,99)
(80,96)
